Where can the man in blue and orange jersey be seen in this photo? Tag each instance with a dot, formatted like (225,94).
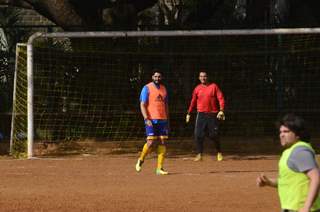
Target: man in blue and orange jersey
(209,101)
(154,109)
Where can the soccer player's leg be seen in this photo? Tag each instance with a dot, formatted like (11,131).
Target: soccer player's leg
(161,149)
(213,126)
(199,134)
(147,147)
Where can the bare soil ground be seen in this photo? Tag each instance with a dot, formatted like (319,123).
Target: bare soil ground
(110,183)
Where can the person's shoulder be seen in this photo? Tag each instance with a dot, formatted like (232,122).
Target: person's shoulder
(302,150)
(213,84)
(163,85)
(148,84)
(198,86)
(145,88)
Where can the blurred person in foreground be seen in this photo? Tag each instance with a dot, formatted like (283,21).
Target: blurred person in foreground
(298,178)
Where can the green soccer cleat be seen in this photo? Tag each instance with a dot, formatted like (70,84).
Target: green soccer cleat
(219,156)
(198,157)
(139,165)
(161,172)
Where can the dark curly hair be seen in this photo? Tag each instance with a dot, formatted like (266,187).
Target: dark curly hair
(296,124)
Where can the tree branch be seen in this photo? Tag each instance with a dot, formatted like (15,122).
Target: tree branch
(17,3)
(61,12)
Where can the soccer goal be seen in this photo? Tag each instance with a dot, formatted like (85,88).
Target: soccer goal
(85,85)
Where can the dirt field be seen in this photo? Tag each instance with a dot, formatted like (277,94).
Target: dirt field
(110,183)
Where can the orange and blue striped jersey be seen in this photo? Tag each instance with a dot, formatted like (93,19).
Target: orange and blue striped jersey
(155,97)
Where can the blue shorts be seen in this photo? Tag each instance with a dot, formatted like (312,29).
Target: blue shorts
(159,129)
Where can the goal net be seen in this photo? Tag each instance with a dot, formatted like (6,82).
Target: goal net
(87,88)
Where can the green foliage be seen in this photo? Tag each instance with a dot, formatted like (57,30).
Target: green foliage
(11,35)
(9,17)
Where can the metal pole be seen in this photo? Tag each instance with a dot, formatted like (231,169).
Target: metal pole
(30,94)
(185,33)
(30,99)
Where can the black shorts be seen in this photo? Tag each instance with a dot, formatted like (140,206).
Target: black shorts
(206,123)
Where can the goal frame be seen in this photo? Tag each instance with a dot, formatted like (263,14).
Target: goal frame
(119,34)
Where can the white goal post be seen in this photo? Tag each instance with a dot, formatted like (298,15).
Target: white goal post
(30,88)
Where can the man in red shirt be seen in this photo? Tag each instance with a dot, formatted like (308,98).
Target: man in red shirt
(209,101)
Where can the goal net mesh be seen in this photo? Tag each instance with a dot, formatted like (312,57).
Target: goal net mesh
(88,88)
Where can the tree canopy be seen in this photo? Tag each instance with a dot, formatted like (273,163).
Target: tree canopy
(73,15)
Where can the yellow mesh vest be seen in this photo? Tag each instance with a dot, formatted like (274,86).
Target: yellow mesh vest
(293,186)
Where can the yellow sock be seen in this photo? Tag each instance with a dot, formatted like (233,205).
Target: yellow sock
(161,155)
(144,152)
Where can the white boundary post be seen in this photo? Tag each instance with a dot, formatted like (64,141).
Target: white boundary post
(30,100)
(30,94)
(182,33)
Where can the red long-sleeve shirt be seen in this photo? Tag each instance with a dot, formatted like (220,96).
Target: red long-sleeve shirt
(206,99)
